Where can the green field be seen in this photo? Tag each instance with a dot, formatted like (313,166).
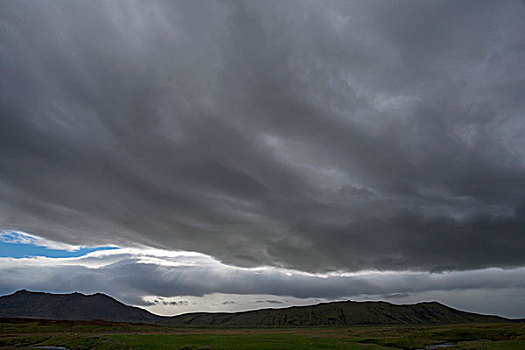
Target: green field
(104,335)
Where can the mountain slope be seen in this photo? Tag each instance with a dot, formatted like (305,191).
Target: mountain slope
(337,314)
(78,306)
(75,306)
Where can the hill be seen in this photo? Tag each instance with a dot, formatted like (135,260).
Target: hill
(337,314)
(75,306)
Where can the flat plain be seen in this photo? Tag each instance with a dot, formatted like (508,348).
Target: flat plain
(28,334)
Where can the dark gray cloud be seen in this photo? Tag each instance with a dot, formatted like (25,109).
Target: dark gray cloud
(268,301)
(311,135)
(172,303)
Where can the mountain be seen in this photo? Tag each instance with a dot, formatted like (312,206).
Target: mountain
(75,306)
(337,314)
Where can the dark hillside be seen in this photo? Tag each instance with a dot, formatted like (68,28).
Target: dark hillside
(338,314)
(75,306)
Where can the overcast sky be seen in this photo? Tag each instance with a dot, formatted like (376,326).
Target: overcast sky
(300,150)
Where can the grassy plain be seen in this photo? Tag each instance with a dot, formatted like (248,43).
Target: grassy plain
(106,335)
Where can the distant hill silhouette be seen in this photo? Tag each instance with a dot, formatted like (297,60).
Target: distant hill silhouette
(77,306)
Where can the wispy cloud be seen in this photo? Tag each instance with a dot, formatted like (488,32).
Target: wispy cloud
(20,244)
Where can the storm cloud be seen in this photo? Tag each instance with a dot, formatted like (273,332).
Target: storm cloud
(316,136)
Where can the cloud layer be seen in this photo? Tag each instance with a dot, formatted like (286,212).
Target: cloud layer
(315,136)
(175,282)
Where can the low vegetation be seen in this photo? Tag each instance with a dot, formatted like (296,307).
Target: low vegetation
(27,334)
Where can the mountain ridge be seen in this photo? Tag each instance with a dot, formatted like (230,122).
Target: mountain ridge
(339,313)
(72,306)
(77,306)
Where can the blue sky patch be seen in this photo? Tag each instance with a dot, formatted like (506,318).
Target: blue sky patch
(15,244)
